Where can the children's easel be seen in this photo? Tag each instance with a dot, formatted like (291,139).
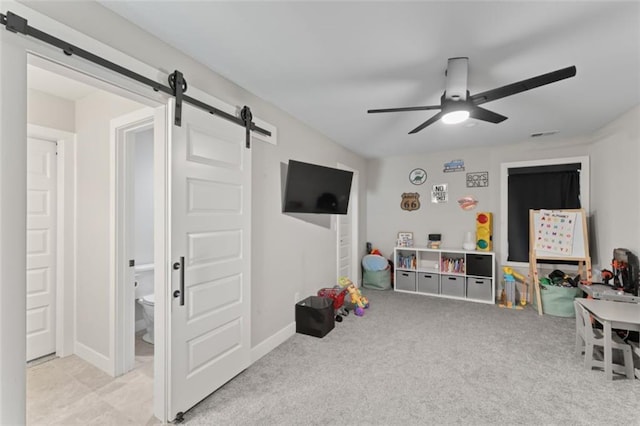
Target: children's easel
(579,246)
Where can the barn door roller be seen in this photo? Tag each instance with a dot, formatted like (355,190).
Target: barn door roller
(177,84)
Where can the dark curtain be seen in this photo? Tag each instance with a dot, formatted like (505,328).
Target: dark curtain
(545,187)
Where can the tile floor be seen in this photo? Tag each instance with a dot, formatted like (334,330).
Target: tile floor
(70,391)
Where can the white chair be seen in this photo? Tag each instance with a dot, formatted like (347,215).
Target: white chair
(594,337)
(636,349)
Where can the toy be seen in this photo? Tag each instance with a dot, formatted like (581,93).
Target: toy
(508,300)
(336,294)
(559,278)
(606,275)
(361,303)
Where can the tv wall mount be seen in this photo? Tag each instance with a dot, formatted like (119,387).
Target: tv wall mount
(177,84)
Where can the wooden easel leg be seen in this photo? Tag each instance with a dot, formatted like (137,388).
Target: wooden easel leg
(536,282)
(538,298)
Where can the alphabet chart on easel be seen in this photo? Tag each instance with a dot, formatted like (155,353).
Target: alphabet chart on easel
(558,235)
(554,231)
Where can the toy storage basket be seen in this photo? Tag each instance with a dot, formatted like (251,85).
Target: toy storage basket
(314,316)
(558,301)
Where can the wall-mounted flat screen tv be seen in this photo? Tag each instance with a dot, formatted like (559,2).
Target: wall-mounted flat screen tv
(311,188)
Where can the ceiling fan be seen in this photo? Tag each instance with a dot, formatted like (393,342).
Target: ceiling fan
(456,104)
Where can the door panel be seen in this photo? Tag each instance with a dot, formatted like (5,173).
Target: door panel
(210,228)
(41,247)
(346,225)
(344,246)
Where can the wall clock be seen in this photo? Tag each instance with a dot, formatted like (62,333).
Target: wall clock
(417,176)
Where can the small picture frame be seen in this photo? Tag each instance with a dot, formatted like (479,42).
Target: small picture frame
(405,239)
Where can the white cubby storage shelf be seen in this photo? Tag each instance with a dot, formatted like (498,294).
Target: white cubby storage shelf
(453,274)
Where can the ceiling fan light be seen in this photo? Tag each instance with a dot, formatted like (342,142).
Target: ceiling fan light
(455,117)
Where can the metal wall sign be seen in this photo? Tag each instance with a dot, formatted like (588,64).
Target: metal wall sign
(417,176)
(439,193)
(410,201)
(177,84)
(477,179)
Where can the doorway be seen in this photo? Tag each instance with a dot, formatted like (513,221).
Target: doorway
(347,234)
(132,140)
(89,285)
(42,227)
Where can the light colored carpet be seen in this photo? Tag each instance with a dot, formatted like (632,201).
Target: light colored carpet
(422,360)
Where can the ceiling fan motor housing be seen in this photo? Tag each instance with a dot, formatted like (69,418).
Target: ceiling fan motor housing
(456,79)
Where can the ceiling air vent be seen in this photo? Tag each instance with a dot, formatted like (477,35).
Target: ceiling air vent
(539,134)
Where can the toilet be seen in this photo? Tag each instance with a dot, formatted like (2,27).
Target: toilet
(147,303)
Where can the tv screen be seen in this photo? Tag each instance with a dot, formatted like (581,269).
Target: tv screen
(310,188)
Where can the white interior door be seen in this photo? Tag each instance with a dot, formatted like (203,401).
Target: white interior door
(41,247)
(344,246)
(347,226)
(210,233)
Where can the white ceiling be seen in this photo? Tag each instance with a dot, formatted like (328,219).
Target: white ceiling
(326,63)
(56,84)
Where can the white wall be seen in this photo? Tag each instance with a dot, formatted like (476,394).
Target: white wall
(50,111)
(389,178)
(13,218)
(614,153)
(93,115)
(615,201)
(289,256)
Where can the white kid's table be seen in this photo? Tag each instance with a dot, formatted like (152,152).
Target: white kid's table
(625,316)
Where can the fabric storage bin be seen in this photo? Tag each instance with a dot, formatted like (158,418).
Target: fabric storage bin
(406,280)
(479,265)
(377,280)
(451,285)
(428,283)
(557,301)
(479,288)
(315,316)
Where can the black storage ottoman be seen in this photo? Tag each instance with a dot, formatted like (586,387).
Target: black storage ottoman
(314,316)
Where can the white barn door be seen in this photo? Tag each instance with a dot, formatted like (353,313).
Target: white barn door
(210,251)
(41,247)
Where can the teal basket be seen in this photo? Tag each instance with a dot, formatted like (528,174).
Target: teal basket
(557,301)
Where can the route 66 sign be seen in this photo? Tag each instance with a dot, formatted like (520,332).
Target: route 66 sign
(410,201)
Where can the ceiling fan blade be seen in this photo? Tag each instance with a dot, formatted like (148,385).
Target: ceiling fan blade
(485,115)
(416,108)
(521,86)
(426,123)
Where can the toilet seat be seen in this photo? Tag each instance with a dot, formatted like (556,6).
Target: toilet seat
(148,299)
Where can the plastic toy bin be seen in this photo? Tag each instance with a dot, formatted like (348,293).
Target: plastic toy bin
(315,316)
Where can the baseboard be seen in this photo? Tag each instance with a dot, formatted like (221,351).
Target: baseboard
(272,342)
(95,358)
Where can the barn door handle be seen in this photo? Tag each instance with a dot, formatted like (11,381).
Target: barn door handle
(180,293)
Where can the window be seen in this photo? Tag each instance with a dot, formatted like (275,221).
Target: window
(545,184)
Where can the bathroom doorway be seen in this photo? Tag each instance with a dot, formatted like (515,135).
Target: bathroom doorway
(132,139)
